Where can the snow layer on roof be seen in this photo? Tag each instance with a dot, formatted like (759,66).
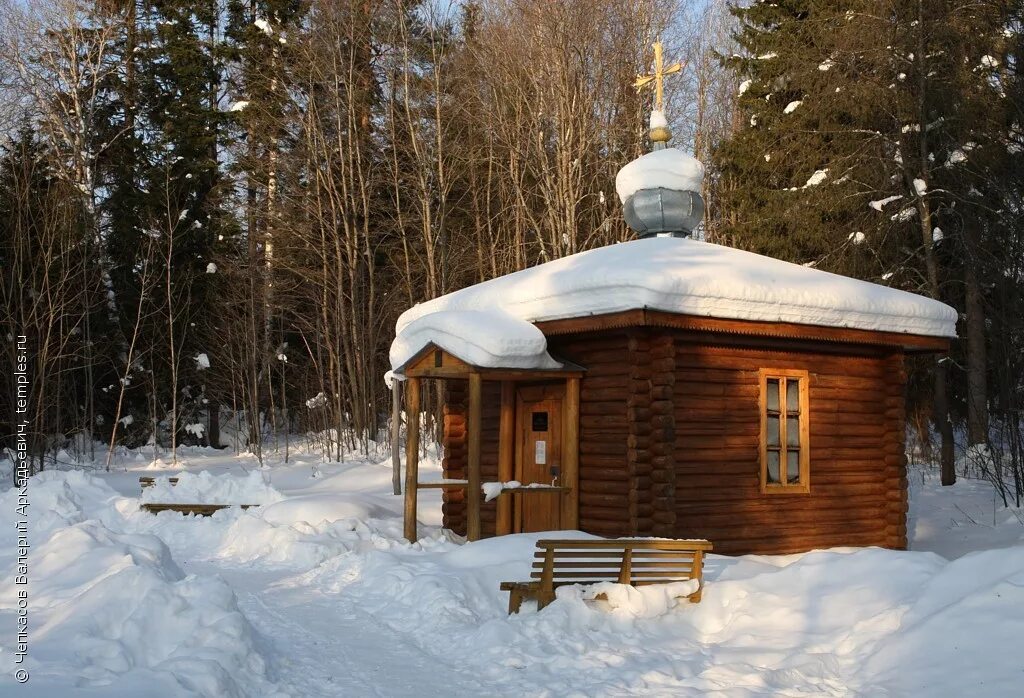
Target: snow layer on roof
(670,274)
(488,337)
(669,168)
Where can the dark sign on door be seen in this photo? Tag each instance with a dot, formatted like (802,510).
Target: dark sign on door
(540,421)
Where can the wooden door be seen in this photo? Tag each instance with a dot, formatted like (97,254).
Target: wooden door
(539,428)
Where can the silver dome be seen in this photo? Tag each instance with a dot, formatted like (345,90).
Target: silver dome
(653,212)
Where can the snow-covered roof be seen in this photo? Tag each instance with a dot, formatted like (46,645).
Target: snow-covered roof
(675,275)
(489,338)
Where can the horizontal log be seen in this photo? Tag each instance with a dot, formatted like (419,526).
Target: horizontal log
(604,499)
(621,369)
(717,411)
(604,487)
(738,391)
(604,513)
(663,517)
(592,462)
(662,350)
(663,380)
(688,444)
(610,448)
(783,504)
(753,358)
(849,395)
(610,355)
(619,475)
(602,422)
(662,407)
(595,408)
(595,436)
(845,382)
(663,392)
(794,543)
(662,365)
(618,394)
(597,383)
(604,528)
(809,535)
(716,486)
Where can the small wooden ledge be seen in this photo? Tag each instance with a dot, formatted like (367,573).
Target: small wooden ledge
(443,485)
(526,488)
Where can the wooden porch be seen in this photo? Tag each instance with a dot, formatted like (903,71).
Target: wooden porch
(438,364)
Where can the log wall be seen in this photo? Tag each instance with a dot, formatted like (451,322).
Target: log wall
(614,480)
(858,481)
(669,430)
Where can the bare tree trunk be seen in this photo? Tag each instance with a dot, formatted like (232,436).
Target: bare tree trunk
(396,431)
(977,360)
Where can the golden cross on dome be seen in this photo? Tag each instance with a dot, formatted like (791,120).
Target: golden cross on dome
(658,77)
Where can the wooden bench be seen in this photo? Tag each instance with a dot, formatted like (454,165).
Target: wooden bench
(184,509)
(635,562)
(145,482)
(197,509)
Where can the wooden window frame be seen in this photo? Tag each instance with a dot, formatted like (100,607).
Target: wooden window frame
(804,484)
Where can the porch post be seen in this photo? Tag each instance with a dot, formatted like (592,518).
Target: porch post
(412,456)
(570,458)
(473,492)
(506,455)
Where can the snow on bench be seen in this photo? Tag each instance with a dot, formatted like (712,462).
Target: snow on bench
(185,509)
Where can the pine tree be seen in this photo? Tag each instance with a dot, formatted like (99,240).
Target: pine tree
(792,173)
(899,110)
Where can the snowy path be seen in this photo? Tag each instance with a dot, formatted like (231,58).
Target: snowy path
(320,645)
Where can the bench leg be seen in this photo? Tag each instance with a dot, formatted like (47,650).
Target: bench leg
(515,600)
(544,597)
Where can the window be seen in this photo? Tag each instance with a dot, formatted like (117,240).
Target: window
(785,448)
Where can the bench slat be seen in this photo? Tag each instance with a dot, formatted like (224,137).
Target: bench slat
(632,583)
(597,566)
(616,555)
(614,578)
(627,543)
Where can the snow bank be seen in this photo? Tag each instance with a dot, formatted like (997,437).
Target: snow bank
(688,277)
(490,339)
(206,488)
(57,499)
(669,168)
(112,611)
(843,622)
(323,508)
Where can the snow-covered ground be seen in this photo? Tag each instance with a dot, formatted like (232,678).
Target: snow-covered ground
(315,593)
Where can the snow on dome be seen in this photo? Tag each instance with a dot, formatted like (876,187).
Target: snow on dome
(669,168)
(676,275)
(484,337)
(658,119)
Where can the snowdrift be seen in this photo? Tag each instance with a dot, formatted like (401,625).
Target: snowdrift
(113,611)
(125,603)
